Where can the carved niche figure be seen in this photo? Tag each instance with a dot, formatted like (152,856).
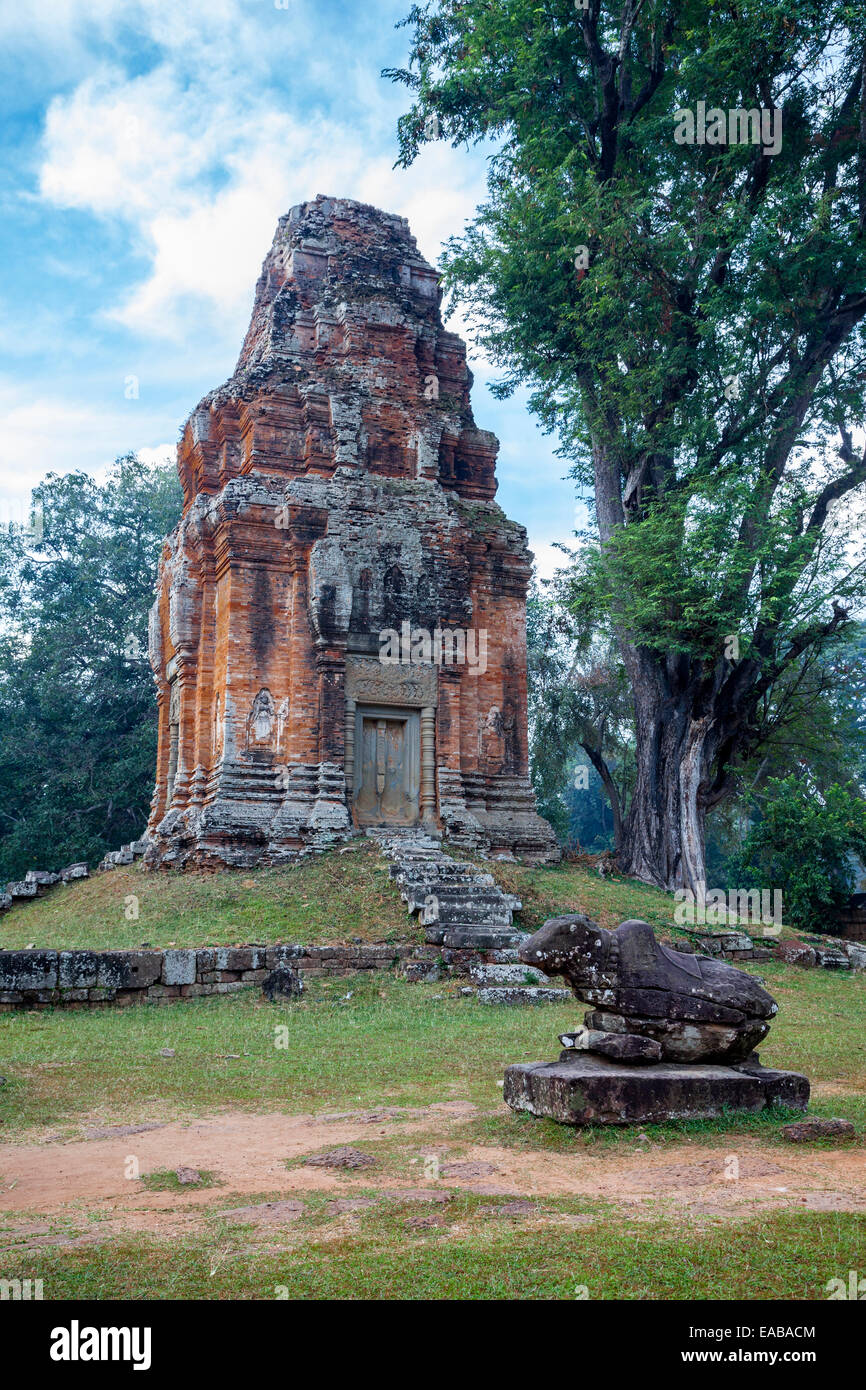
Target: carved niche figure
(261,718)
(492,739)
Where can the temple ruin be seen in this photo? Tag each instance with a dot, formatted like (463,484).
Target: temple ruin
(338,639)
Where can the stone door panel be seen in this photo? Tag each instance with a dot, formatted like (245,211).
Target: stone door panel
(387,767)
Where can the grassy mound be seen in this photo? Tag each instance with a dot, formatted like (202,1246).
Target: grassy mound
(327,898)
(324,899)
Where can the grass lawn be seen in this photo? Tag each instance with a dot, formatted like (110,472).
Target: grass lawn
(472,1255)
(325,898)
(390,1043)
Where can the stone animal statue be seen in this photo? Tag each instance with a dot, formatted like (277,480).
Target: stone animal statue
(695,1008)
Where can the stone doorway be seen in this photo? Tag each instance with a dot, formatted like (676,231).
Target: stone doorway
(387,766)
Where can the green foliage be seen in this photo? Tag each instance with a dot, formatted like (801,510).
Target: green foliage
(77,707)
(704,366)
(803,845)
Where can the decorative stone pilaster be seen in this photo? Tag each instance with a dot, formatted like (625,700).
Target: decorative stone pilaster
(349,748)
(428,765)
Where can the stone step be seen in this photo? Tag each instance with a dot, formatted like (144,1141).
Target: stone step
(435,875)
(470,937)
(421,887)
(507,975)
(531,994)
(461,906)
(483,914)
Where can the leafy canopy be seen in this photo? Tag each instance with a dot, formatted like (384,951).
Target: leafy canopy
(77,708)
(706,369)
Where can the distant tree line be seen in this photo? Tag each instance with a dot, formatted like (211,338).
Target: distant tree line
(77,707)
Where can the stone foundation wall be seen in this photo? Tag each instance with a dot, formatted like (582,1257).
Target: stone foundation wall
(86,979)
(83,979)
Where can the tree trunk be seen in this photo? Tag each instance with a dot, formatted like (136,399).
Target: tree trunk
(601,767)
(663,835)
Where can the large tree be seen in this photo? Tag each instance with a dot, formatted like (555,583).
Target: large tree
(690,319)
(77,707)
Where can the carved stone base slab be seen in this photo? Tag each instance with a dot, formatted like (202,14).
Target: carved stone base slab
(582,1089)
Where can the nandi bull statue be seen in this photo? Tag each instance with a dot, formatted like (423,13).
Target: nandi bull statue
(693,1008)
(671,1035)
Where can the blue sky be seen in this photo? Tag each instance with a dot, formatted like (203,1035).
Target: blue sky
(150,148)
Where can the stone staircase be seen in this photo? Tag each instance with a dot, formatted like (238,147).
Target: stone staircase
(459,905)
(463,909)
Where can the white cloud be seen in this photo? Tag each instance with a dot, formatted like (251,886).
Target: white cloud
(201,172)
(160,453)
(45,435)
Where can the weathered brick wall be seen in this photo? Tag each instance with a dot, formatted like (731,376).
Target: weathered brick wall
(334,487)
(81,979)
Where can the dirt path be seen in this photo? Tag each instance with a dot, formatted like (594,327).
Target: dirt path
(66,1180)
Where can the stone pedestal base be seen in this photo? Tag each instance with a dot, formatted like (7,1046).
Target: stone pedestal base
(583,1089)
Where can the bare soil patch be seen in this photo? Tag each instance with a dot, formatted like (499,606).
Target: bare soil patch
(86,1179)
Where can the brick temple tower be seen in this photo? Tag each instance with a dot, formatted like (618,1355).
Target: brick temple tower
(338,638)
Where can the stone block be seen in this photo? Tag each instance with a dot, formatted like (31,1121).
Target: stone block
(282,983)
(21,889)
(74,871)
(856,955)
(129,969)
(586,1089)
(239,958)
(805,1130)
(77,969)
(795,953)
(620,1047)
(532,994)
(421,972)
(507,975)
(178,967)
(831,958)
(42,878)
(275,956)
(28,970)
